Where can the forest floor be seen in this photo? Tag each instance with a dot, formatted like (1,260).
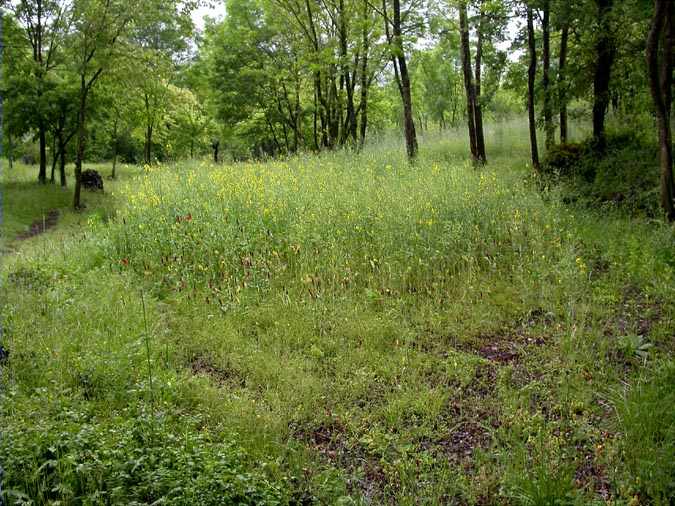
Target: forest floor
(335,329)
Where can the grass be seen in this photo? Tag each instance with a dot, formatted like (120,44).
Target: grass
(343,329)
(27,205)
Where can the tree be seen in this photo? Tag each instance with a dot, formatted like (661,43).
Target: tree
(153,84)
(63,121)
(398,59)
(45,23)
(562,71)
(189,122)
(120,110)
(17,87)
(99,25)
(468,80)
(438,89)
(605,53)
(549,128)
(531,77)
(159,36)
(660,46)
(489,23)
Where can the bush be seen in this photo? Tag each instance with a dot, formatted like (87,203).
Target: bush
(561,159)
(626,174)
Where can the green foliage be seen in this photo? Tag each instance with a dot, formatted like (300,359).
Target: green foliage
(71,456)
(561,159)
(625,175)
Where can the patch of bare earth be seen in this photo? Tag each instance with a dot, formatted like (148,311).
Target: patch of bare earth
(331,441)
(591,474)
(472,415)
(202,365)
(40,226)
(460,444)
(509,346)
(636,313)
(501,352)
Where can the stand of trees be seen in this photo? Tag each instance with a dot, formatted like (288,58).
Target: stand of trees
(133,81)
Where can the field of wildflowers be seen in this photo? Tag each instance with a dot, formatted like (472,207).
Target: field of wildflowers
(340,329)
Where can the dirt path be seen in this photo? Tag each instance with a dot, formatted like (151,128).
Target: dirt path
(40,226)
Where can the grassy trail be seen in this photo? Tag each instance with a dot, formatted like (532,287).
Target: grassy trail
(341,329)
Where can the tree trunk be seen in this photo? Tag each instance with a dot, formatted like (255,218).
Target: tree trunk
(315,121)
(10,151)
(81,140)
(215,145)
(531,75)
(62,161)
(406,97)
(562,82)
(113,174)
(60,151)
(363,105)
(465,52)
(42,136)
(115,147)
(147,152)
(54,157)
(478,107)
(603,69)
(660,66)
(349,125)
(549,128)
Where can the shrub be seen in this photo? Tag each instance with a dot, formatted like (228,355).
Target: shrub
(561,159)
(625,174)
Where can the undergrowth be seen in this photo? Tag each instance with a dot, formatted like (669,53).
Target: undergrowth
(625,176)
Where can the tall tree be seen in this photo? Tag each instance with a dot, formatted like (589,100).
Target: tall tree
(531,76)
(660,46)
(478,94)
(562,82)
(63,121)
(605,53)
(473,80)
(470,90)
(160,34)
(398,57)
(99,25)
(153,84)
(366,73)
(121,110)
(549,128)
(45,23)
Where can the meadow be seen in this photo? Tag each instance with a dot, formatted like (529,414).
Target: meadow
(341,328)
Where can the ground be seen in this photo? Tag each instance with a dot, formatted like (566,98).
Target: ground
(335,329)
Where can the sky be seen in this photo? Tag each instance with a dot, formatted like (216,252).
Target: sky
(216,10)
